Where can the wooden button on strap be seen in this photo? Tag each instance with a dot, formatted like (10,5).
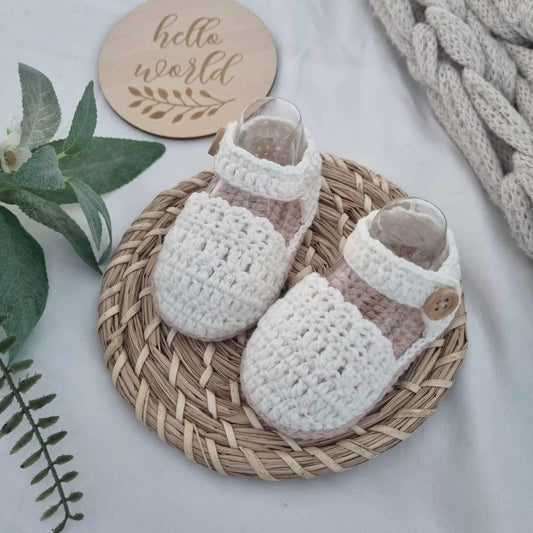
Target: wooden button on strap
(215,143)
(441,303)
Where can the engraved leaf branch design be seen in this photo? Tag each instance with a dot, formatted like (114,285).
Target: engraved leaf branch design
(160,103)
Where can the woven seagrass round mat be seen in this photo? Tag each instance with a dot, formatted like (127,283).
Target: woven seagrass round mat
(188,390)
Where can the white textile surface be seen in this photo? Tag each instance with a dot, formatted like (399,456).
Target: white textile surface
(469,468)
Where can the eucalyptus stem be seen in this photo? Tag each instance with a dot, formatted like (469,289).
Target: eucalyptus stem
(42,443)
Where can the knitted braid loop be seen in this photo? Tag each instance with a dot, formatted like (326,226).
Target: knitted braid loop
(475,60)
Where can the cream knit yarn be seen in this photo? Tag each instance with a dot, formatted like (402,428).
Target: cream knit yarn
(474,58)
(221,266)
(314,364)
(313,361)
(267,179)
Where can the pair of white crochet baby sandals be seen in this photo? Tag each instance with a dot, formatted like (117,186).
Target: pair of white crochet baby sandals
(324,354)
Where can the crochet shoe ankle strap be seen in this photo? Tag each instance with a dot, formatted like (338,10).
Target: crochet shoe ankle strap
(262,177)
(436,293)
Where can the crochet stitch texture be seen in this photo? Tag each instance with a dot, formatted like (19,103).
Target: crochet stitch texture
(265,178)
(221,266)
(475,61)
(313,358)
(314,364)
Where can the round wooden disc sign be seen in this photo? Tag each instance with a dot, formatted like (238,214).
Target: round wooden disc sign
(183,68)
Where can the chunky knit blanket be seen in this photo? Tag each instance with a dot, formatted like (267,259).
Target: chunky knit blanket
(475,60)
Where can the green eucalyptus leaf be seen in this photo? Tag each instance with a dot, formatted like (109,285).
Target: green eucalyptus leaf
(41,171)
(32,459)
(105,164)
(25,439)
(46,493)
(17,392)
(69,476)
(53,216)
(5,344)
(93,206)
(83,123)
(62,459)
(39,403)
(55,438)
(40,476)
(23,280)
(41,112)
(2,381)
(6,401)
(27,383)
(51,511)
(60,527)
(44,423)
(12,424)
(7,183)
(19,366)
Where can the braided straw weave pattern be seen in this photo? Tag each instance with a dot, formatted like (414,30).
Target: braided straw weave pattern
(474,58)
(188,391)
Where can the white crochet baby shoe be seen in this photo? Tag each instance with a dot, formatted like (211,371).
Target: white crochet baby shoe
(326,353)
(226,258)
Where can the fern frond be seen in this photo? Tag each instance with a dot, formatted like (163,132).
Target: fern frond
(16,392)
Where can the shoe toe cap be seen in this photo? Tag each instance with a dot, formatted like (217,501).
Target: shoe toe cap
(313,364)
(217,272)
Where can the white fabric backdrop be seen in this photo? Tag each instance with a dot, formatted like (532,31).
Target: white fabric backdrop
(467,469)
